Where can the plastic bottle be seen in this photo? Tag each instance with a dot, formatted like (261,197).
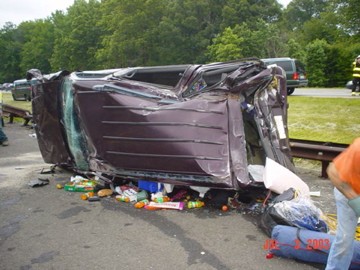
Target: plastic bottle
(122,198)
(195,204)
(142,195)
(162,199)
(141,204)
(87,195)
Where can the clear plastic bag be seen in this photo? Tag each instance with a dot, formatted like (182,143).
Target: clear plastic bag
(302,213)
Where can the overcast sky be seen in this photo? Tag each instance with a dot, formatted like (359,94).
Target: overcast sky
(17,11)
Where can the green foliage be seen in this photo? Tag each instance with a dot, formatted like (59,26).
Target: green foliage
(226,47)
(96,34)
(259,39)
(350,16)
(316,59)
(10,49)
(315,29)
(131,36)
(77,37)
(300,11)
(296,50)
(38,47)
(248,11)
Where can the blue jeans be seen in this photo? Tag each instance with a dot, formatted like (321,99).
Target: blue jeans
(2,134)
(342,248)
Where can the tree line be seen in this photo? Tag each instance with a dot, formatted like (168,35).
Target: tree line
(92,35)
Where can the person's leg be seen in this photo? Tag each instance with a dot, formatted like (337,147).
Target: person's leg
(3,137)
(357,84)
(341,251)
(353,87)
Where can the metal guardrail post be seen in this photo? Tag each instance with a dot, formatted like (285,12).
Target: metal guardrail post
(316,150)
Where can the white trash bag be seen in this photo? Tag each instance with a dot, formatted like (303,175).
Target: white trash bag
(278,179)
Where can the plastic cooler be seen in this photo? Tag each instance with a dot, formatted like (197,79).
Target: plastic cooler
(150,186)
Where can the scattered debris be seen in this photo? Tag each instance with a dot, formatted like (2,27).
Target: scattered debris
(315,193)
(94,199)
(87,195)
(38,182)
(152,195)
(104,192)
(167,205)
(48,171)
(80,184)
(196,204)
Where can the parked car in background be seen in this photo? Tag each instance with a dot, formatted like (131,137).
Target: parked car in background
(6,86)
(349,85)
(21,90)
(295,72)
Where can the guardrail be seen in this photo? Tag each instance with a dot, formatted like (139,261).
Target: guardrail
(316,150)
(12,112)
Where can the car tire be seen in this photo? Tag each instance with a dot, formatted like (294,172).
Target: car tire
(14,98)
(290,91)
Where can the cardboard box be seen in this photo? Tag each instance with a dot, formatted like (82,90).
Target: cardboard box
(84,186)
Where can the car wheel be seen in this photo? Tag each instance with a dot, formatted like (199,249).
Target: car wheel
(290,91)
(14,98)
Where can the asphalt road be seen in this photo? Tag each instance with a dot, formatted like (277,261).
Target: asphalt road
(47,228)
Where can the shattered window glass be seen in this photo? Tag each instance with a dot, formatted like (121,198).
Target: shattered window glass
(197,87)
(75,136)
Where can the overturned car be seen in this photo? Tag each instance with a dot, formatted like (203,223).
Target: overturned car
(191,125)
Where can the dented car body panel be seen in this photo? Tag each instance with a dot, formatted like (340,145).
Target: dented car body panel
(193,125)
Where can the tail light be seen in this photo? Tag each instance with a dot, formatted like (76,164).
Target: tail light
(296,76)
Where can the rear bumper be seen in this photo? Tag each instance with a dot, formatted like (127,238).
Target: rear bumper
(297,84)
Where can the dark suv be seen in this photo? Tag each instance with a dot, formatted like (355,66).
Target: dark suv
(21,90)
(295,72)
(209,122)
